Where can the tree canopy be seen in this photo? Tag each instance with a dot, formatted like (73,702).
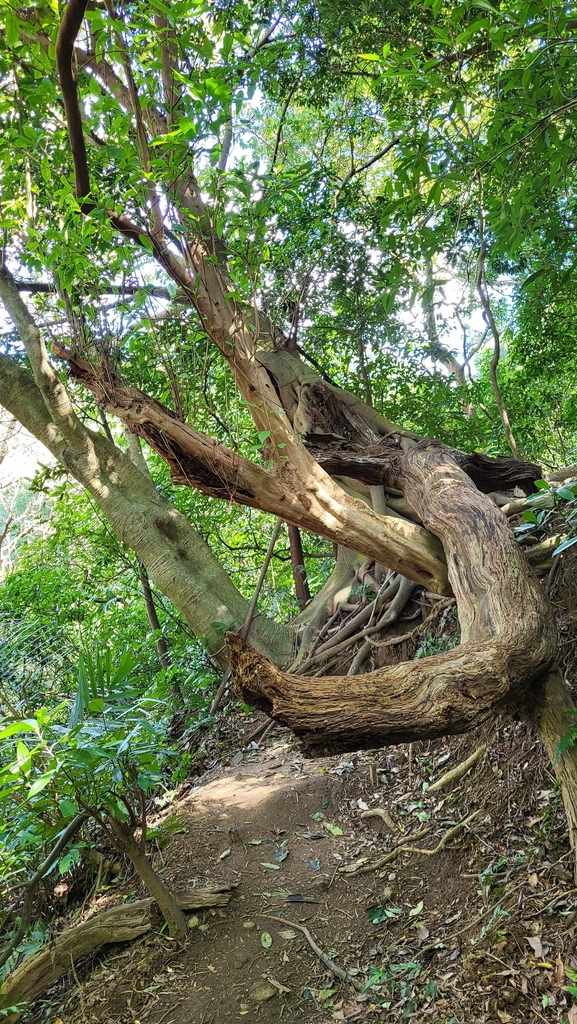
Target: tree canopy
(320,258)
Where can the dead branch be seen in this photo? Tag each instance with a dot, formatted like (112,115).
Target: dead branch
(339,972)
(32,884)
(120,924)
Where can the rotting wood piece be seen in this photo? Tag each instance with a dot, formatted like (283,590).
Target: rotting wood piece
(508,634)
(372,464)
(120,924)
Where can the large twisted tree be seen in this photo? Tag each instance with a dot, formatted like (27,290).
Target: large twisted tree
(365,148)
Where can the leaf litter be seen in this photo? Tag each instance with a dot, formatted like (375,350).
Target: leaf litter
(484,930)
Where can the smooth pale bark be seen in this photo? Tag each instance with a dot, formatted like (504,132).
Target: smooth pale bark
(177,559)
(508,634)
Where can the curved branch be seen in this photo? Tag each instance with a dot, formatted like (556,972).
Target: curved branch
(509,638)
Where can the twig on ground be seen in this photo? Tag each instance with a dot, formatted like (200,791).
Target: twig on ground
(339,972)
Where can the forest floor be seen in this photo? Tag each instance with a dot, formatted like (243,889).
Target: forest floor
(475,922)
(484,930)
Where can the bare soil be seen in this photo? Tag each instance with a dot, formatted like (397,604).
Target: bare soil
(482,931)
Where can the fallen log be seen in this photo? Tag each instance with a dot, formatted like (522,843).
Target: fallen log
(39,972)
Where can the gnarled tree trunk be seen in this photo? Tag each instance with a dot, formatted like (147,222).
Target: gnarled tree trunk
(508,634)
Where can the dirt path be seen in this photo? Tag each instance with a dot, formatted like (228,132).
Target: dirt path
(480,932)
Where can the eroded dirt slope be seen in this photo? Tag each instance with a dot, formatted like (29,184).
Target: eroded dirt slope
(481,931)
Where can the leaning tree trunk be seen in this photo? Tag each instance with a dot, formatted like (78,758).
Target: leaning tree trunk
(506,659)
(508,634)
(177,559)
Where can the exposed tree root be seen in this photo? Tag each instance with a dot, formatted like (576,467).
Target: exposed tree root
(349,632)
(383,814)
(508,636)
(120,924)
(362,868)
(339,972)
(325,606)
(364,865)
(404,591)
(457,773)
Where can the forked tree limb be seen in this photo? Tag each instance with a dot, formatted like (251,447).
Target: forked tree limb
(508,634)
(296,488)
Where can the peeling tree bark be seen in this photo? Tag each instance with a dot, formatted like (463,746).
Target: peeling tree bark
(295,487)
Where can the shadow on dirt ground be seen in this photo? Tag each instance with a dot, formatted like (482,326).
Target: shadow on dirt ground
(482,930)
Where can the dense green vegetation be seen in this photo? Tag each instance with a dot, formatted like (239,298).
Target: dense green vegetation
(392,186)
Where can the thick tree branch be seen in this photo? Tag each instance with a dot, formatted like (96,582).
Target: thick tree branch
(45,288)
(499,658)
(306,497)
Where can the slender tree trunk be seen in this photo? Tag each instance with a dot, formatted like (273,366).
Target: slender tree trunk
(161,645)
(167,904)
(298,566)
(554,715)
(177,559)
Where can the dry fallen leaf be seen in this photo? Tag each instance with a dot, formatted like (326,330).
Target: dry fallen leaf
(277,984)
(535,944)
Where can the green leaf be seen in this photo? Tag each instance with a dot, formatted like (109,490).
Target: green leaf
(68,808)
(11,27)
(15,727)
(266,940)
(568,543)
(566,492)
(22,754)
(39,784)
(333,829)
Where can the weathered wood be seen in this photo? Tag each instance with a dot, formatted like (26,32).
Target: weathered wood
(372,464)
(295,487)
(508,635)
(553,714)
(120,924)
